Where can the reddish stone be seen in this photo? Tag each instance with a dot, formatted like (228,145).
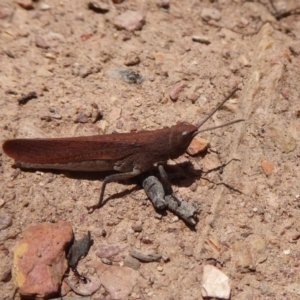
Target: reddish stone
(40,261)
(197,146)
(268,167)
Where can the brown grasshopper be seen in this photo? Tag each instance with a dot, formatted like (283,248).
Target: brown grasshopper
(130,154)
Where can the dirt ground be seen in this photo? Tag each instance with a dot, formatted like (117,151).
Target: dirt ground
(75,62)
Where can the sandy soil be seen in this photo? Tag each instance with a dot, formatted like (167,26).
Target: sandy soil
(75,58)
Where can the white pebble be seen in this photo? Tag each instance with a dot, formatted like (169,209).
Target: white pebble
(215,283)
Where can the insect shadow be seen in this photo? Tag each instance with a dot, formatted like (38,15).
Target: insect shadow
(181,174)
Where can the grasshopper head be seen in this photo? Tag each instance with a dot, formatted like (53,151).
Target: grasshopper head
(183,133)
(181,137)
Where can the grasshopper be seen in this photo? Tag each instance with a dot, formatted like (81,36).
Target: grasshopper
(129,154)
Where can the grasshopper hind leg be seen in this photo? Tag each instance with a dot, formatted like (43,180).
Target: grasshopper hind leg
(112,178)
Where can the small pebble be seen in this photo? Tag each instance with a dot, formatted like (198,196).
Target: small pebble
(119,124)
(176,90)
(9,53)
(131,59)
(10,185)
(107,251)
(295,236)
(135,295)
(103,125)
(50,55)
(165,258)
(175,219)
(81,117)
(99,6)
(193,187)
(115,114)
(268,167)
(42,72)
(208,14)
(131,262)
(27,4)
(293,288)
(4,12)
(211,261)
(160,268)
(188,251)
(201,39)
(130,20)
(244,61)
(282,139)
(44,6)
(5,275)
(9,196)
(122,236)
(158,216)
(106,261)
(165,4)
(41,42)
(138,227)
(84,72)
(5,221)
(244,261)
(146,241)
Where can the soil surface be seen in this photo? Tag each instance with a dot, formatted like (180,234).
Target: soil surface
(76,68)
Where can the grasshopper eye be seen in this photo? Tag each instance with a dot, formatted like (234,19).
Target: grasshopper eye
(185,133)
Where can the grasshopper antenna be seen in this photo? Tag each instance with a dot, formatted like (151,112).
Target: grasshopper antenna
(213,112)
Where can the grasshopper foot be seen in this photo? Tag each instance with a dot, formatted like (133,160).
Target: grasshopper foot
(92,208)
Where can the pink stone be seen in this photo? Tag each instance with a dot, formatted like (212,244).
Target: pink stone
(41,42)
(117,281)
(130,20)
(176,90)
